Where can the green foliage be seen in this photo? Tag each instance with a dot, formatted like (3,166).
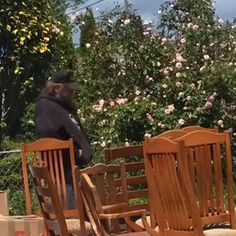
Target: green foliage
(87,27)
(27,127)
(180,74)
(11,180)
(175,14)
(33,43)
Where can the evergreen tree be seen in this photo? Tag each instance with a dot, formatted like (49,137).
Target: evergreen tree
(87,26)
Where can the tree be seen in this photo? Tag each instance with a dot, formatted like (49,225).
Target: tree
(33,43)
(87,25)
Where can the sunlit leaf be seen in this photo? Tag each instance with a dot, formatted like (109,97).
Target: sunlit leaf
(8,27)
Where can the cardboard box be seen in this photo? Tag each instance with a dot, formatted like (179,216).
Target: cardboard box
(4,210)
(22,226)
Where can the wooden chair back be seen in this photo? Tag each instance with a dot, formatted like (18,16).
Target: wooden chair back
(49,202)
(103,189)
(192,128)
(210,167)
(109,189)
(51,153)
(132,156)
(90,198)
(172,201)
(172,134)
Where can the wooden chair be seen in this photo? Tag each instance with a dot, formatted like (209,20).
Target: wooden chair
(103,191)
(172,198)
(49,152)
(51,207)
(208,155)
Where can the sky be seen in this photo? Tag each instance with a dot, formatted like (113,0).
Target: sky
(225,9)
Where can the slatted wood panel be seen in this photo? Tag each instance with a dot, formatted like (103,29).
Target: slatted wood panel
(109,187)
(207,154)
(132,156)
(172,200)
(49,152)
(49,202)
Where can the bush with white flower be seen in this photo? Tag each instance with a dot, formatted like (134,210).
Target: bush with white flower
(180,73)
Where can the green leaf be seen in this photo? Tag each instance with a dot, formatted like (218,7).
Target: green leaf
(8,27)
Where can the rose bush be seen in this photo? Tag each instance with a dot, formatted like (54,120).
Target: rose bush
(148,79)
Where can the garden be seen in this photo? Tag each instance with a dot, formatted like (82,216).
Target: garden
(137,77)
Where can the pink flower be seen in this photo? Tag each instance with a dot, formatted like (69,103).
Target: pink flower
(148,78)
(163,40)
(181,122)
(166,72)
(171,107)
(211,98)
(178,65)
(126,144)
(150,118)
(112,104)
(177,84)
(120,101)
(178,74)
(208,105)
(87,45)
(189,98)
(183,40)
(190,25)
(101,102)
(167,111)
(221,123)
(147,135)
(103,144)
(179,57)
(97,108)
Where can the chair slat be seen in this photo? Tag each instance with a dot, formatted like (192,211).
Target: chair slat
(62,178)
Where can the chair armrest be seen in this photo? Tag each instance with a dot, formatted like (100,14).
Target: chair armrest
(126,215)
(122,214)
(147,227)
(114,207)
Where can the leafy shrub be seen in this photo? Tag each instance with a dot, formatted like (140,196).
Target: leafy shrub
(150,79)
